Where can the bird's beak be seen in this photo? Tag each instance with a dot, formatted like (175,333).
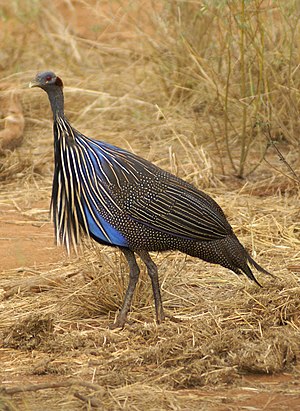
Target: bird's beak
(34,83)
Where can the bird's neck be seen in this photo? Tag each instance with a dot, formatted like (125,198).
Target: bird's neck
(56,98)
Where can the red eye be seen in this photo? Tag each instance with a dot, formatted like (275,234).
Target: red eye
(48,78)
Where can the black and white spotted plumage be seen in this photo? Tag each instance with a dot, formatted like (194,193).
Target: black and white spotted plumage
(122,200)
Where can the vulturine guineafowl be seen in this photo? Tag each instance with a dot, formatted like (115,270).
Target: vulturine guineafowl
(122,200)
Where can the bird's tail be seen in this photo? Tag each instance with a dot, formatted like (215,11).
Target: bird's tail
(247,270)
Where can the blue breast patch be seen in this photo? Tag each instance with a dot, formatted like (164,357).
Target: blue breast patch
(113,236)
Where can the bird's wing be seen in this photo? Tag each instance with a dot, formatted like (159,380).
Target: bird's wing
(182,211)
(153,197)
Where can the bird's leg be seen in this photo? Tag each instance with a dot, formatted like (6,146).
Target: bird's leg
(134,272)
(153,274)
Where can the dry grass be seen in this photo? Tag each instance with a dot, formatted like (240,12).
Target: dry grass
(173,90)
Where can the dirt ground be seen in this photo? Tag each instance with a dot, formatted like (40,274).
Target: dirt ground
(27,248)
(234,347)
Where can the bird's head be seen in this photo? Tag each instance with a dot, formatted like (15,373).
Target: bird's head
(46,79)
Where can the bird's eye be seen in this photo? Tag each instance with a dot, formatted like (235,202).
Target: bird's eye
(48,78)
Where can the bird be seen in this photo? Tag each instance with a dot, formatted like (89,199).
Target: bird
(122,200)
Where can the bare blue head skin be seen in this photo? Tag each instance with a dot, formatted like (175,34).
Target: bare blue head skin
(53,85)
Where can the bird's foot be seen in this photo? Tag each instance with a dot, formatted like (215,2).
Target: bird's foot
(161,318)
(173,319)
(120,322)
(116,325)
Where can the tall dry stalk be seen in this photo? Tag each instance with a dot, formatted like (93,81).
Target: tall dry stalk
(236,60)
